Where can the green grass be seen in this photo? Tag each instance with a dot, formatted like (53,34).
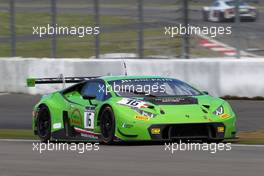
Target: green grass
(68,46)
(251,137)
(16,134)
(26,21)
(127,3)
(122,41)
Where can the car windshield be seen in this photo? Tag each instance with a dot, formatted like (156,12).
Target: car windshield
(154,87)
(233,3)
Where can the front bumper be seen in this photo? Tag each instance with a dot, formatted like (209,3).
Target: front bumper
(242,16)
(199,131)
(175,131)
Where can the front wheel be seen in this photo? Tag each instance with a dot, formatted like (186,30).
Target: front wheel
(107,125)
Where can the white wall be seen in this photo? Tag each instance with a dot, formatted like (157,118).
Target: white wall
(15,71)
(220,77)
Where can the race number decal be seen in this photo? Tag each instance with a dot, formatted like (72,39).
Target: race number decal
(89,117)
(132,103)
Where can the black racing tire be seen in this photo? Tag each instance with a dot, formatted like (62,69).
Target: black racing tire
(44,124)
(256,18)
(253,19)
(107,125)
(68,129)
(205,15)
(221,17)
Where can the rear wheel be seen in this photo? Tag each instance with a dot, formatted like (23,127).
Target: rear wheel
(44,124)
(107,125)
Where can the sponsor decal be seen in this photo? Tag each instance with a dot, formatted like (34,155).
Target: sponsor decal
(57,125)
(76,122)
(133,103)
(86,133)
(146,80)
(125,125)
(76,117)
(210,120)
(142,118)
(89,136)
(172,100)
(224,116)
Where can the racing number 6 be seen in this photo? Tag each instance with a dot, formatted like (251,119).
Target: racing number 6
(89,118)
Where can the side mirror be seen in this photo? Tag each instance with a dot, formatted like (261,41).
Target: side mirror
(206,93)
(89,98)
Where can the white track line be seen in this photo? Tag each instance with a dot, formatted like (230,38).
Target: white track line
(246,145)
(230,54)
(220,49)
(18,140)
(29,140)
(209,44)
(3,93)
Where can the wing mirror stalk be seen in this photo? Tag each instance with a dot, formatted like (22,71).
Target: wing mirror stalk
(89,98)
(206,93)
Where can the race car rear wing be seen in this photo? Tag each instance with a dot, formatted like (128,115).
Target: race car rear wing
(31,82)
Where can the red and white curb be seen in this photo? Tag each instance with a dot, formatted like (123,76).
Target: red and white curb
(225,49)
(217,47)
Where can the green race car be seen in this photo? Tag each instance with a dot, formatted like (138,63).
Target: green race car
(130,108)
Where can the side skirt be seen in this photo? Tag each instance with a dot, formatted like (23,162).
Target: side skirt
(80,135)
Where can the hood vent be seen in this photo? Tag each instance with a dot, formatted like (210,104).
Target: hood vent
(206,106)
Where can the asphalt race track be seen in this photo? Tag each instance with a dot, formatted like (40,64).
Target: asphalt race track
(15,112)
(251,34)
(18,158)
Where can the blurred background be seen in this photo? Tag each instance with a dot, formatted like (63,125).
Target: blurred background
(128,28)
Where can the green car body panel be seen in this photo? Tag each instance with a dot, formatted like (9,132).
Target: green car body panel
(130,125)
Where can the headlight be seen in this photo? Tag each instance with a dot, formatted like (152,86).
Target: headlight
(219,111)
(144,113)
